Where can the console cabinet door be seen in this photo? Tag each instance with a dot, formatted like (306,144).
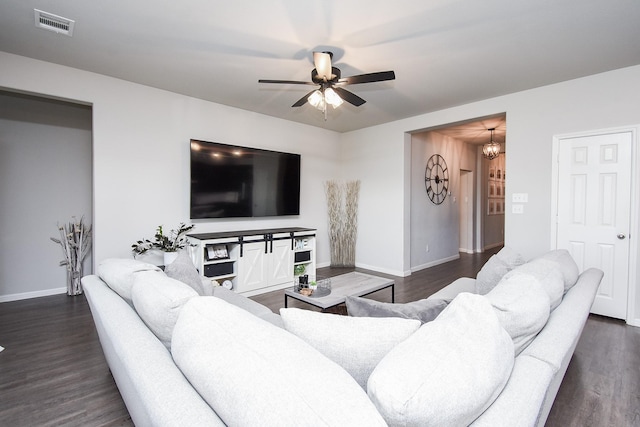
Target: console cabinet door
(252,267)
(280,262)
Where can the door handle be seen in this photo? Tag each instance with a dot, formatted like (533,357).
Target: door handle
(621,236)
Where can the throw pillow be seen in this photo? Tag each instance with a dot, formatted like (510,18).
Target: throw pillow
(355,343)
(510,257)
(549,276)
(118,274)
(496,267)
(424,310)
(253,373)
(182,269)
(566,264)
(158,300)
(449,371)
(522,306)
(490,274)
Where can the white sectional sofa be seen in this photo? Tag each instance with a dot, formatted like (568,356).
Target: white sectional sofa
(182,356)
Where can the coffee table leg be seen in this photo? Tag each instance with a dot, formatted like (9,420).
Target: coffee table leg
(393,292)
(285,300)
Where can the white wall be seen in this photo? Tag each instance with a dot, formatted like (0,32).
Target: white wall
(533,118)
(45,179)
(436,226)
(141,152)
(141,155)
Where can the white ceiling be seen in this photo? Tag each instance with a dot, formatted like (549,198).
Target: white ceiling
(444,52)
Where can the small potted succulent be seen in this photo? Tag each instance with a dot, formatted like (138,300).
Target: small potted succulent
(169,244)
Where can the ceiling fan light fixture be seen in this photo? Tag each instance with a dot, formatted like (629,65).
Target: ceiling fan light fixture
(317,100)
(491,150)
(332,98)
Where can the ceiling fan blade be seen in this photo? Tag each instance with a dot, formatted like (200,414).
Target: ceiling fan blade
(350,97)
(380,76)
(322,62)
(303,100)
(286,82)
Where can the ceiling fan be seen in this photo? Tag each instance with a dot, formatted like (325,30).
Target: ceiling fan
(331,84)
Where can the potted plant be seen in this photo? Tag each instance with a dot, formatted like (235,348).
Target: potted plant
(169,244)
(75,241)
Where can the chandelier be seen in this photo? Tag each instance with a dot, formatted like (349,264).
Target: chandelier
(491,150)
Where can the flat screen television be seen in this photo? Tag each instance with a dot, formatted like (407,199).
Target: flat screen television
(228,181)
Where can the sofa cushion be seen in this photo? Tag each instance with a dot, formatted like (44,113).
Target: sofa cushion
(510,257)
(182,269)
(522,306)
(495,268)
(118,274)
(241,301)
(158,300)
(253,373)
(566,264)
(548,275)
(424,310)
(450,291)
(490,274)
(523,396)
(449,371)
(355,343)
(556,343)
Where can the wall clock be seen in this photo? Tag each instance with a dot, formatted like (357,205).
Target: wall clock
(436,179)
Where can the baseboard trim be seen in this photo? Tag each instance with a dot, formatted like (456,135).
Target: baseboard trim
(434,263)
(383,270)
(34,294)
(634,322)
(493,245)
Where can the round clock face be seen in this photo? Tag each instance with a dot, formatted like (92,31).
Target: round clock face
(436,179)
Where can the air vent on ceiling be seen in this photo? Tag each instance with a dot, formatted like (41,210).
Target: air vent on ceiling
(55,23)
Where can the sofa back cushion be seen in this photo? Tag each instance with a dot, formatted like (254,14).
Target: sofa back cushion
(183,269)
(355,343)
(449,371)
(118,274)
(566,265)
(522,306)
(495,268)
(253,373)
(549,276)
(158,300)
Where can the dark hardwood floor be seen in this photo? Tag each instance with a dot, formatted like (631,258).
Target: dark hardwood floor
(53,372)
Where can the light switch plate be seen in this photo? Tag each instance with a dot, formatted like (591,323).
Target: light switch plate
(520,197)
(517,209)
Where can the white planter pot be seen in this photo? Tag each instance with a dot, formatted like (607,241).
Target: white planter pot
(169,257)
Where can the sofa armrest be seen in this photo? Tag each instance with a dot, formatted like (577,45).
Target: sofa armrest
(152,387)
(449,292)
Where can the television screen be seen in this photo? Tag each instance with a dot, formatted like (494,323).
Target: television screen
(229,181)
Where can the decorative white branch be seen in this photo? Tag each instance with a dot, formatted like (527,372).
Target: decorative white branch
(75,241)
(342,211)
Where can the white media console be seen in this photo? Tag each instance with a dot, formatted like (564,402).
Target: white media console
(255,261)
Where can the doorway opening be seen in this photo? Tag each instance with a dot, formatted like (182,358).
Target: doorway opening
(46,180)
(471,217)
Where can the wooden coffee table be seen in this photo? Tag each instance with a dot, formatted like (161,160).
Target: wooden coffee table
(351,284)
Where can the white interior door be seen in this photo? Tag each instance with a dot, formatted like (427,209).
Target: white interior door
(594,205)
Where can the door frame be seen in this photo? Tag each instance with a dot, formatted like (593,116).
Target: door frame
(632,318)
(468,177)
